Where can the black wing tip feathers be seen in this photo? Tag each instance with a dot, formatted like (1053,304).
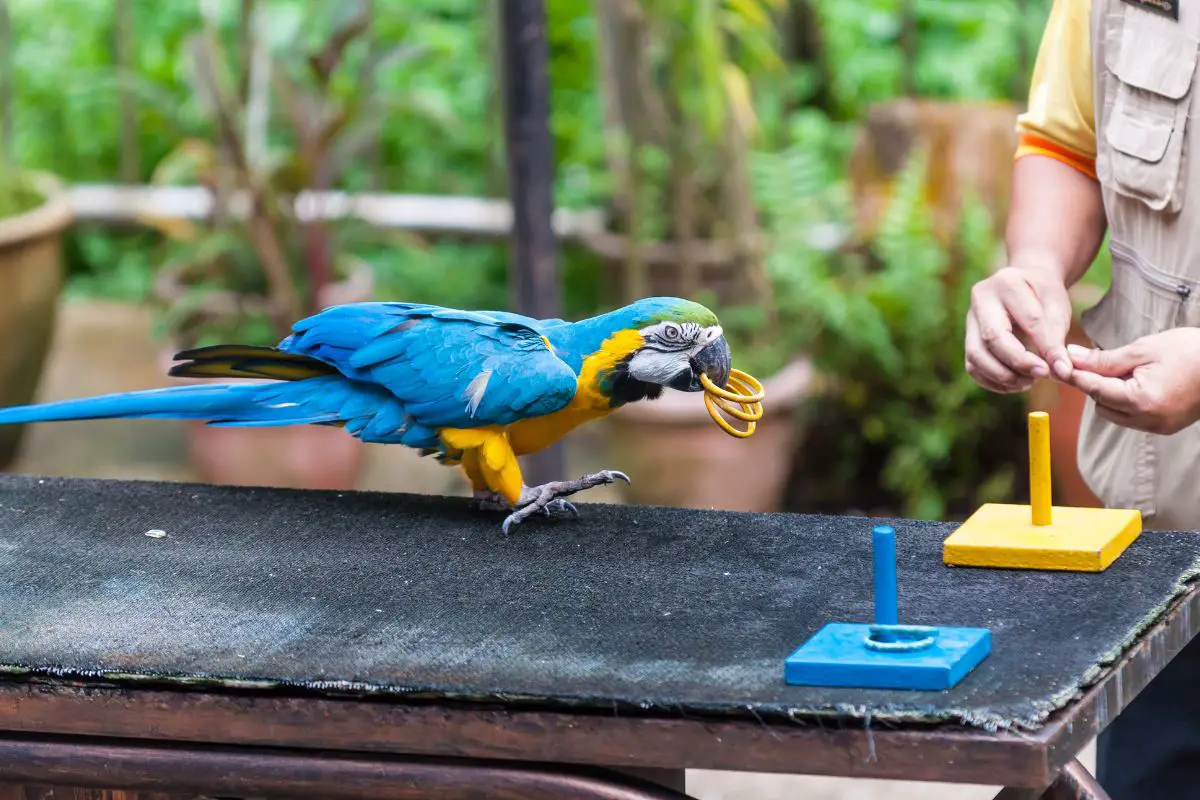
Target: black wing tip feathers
(246,361)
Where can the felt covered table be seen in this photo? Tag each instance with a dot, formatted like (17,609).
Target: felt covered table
(394,629)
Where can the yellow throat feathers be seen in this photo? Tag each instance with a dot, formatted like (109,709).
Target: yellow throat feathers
(590,401)
(612,351)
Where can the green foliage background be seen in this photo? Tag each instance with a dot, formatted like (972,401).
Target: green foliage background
(884,326)
(67,110)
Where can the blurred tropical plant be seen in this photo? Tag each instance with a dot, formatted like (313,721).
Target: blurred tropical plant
(678,80)
(960,49)
(265,258)
(899,424)
(17,193)
(719,122)
(73,87)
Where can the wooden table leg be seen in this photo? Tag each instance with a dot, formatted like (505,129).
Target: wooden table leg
(1073,783)
(9,791)
(674,779)
(148,771)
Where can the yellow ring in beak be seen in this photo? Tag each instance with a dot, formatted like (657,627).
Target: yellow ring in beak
(747,394)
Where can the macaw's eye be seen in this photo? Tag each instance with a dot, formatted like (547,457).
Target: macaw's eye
(671,333)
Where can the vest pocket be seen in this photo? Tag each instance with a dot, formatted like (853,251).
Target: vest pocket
(1142,299)
(1142,149)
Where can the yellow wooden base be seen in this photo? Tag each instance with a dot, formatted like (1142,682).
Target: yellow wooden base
(1003,535)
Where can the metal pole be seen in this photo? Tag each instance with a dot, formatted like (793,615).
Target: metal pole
(908,45)
(1021,91)
(534,277)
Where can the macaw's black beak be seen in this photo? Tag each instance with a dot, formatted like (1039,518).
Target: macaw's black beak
(714,360)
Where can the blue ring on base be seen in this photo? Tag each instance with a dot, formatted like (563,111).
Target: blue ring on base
(904,638)
(838,655)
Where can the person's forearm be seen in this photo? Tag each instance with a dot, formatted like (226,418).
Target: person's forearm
(1056,218)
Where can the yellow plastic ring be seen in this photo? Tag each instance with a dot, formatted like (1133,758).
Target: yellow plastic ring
(742,400)
(754,411)
(739,378)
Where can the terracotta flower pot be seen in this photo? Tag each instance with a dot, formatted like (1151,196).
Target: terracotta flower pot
(31,276)
(675,455)
(294,456)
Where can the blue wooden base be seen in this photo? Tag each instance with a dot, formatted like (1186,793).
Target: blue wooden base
(838,655)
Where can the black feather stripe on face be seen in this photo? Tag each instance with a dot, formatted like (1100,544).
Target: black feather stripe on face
(624,388)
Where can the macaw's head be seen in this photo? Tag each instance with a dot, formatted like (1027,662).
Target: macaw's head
(680,341)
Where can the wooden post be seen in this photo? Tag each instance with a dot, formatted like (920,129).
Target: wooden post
(534,277)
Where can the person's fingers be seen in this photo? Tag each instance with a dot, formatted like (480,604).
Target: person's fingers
(1043,321)
(1109,363)
(1115,394)
(1116,401)
(996,334)
(1134,421)
(1003,388)
(985,369)
(1012,386)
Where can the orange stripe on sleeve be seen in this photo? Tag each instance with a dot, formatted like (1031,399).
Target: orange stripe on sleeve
(1030,144)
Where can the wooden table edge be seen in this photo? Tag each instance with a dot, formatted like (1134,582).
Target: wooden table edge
(1069,730)
(182,720)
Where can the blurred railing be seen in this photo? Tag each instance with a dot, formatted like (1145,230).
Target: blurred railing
(118,204)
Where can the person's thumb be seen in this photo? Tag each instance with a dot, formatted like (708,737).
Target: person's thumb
(1059,359)
(1110,363)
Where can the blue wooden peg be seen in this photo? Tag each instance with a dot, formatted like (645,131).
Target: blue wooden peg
(886,654)
(886,604)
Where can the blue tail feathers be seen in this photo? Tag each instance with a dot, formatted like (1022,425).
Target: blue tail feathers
(366,411)
(206,401)
(302,390)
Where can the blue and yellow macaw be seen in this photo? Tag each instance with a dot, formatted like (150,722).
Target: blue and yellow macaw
(475,388)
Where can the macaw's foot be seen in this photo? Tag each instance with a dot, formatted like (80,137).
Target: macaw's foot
(493,501)
(489,501)
(548,498)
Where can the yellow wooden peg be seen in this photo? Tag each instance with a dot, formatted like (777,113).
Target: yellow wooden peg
(1039,468)
(1041,535)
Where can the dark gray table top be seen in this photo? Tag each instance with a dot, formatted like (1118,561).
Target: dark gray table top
(674,611)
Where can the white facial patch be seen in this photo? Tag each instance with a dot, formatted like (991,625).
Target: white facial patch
(651,366)
(668,349)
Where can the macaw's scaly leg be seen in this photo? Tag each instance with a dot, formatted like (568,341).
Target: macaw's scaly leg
(487,458)
(485,498)
(495,474)
(549,496)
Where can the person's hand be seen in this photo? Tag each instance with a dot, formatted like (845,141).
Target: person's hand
(1017,299)
(1152,384)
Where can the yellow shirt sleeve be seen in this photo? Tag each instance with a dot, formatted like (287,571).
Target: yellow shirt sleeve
(1059,121)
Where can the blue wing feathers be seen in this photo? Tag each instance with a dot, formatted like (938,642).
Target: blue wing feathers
(428,357)
(403,371)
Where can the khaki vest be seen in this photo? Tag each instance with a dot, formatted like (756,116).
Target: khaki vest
(1146,100)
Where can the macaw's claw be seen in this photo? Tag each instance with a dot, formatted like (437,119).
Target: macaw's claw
(548,497)
(558,504)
